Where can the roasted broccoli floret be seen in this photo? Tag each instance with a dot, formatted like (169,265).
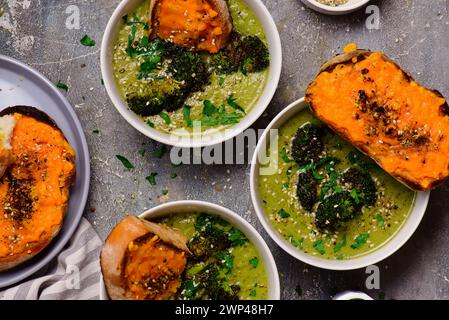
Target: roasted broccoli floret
(188,68)
(257,57)
(207,243)
(209,239)
(248,54)
(186,73)
(307,146)
(335,210)
(209,284)
(363,185)
(307,190)
(145,104)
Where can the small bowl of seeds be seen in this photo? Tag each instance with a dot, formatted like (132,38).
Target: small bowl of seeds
(335,7)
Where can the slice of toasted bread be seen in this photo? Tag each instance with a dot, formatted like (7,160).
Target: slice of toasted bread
(7,124)
(34,191)
(134,242)
(370,101)
(203,25)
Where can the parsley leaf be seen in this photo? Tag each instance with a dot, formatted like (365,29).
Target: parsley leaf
(285,156)
(283,214)
(152,178)
(209,108)
(186,114)
(236,237)
(340,244)
(62,85)
(160,152)
(360,241)
(165,117)
(87,41)
(231,102)
(254,262)
(126,163)
(319,247)
(380,220)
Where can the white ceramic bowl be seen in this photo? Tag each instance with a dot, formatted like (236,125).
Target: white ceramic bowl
(350,6)
(235,220)
(388,248)
(188,140)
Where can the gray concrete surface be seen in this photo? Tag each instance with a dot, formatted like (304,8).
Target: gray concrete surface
(413,32)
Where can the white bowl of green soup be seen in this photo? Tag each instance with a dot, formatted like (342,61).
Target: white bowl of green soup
(323,201)
(243,259)
(189,96)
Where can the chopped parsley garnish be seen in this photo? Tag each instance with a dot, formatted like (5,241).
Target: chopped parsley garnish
(126,163)
(87,41)
(221,81)
(285,185)
(164,191)
(380,220)
(319,247)
(254,262)
(150,124)
(173,176)
(62,85)
(186,114)
(231,102)
(165,117)
(283,214)
(227,261)
(209,108)
(355,196)
(360,241)
(152,178)
(236,237)
(253,293)
(340,244)
(142,152)
(284,156)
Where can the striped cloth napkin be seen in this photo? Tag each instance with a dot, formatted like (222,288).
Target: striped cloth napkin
(73,275)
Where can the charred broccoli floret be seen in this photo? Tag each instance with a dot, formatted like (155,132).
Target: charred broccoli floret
(307,146)
(186,73)
(248,54)
(145,104)
(307,190)
(207,243)
(335,210)
(209,284)
(257,57)
(363,184)
(188,68)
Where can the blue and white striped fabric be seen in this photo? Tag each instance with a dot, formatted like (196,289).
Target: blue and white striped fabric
(73,275)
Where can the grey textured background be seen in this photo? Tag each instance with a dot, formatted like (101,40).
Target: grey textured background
(413,32)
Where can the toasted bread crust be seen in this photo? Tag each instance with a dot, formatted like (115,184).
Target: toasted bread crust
(114,253)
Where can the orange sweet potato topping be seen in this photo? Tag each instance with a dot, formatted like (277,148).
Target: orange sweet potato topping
(190,23)
(35,189)
(381,110)
(153,268)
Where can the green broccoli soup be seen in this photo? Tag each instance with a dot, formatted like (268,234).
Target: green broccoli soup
(178,89)
(327,199)
(224,265)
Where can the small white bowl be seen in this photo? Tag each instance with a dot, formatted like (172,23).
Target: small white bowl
(350,6)
(186,206)
(188,140)
(396,241)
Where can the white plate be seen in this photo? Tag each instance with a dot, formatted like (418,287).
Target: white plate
(22,85)
(234,219)
(387,249)
(199,140)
